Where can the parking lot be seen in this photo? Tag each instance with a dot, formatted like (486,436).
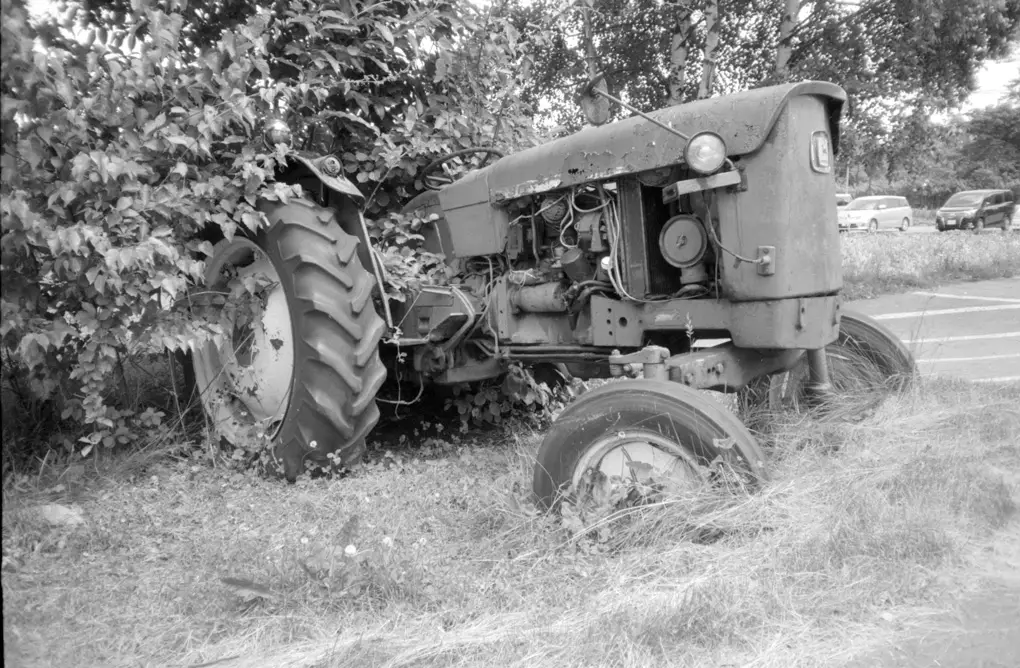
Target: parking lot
(969,330)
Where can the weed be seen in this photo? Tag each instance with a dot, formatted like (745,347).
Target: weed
(886,263)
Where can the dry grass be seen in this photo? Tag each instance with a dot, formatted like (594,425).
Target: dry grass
(883,263)
(855,540)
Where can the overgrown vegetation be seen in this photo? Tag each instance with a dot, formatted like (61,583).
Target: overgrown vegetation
(434,557)
(887,263)
(131,135)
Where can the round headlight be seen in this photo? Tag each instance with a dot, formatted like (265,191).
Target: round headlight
(705,152)
(277,132)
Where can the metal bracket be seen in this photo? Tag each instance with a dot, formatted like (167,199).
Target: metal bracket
(674,191)
(724,368)
(766,260)
(742,186)
(650,361)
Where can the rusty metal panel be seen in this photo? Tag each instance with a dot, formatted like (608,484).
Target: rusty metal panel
(788,205)
(634,145)
(475,226)
(810,322)
(532,328)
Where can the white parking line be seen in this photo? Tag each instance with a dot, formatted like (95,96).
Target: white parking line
(1000,379)
(933,360)
(971,337)
(979,299)
(946,311)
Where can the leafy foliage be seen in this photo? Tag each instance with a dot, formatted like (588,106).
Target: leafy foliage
(114,159)
(127,149)
(516,393)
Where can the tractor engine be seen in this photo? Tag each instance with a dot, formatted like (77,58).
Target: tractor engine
(627,235)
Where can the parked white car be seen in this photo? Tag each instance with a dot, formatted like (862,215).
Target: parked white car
(874,213)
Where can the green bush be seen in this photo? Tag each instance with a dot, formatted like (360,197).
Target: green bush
(126,150)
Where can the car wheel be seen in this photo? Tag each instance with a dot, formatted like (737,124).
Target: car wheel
(905,225)
(979,225)
(1007,223)
(872,226)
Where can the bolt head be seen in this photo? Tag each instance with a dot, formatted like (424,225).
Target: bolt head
(331,166)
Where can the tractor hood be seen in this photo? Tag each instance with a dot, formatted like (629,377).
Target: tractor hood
(744,120)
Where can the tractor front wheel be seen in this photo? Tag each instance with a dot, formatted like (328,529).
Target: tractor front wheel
(645,431)
(298,365)
(867,361)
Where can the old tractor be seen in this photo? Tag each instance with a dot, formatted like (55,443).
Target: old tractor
(615,252)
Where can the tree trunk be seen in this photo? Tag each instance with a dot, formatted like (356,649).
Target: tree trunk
(678,49)
(787,23)
(590,57)
(711,44)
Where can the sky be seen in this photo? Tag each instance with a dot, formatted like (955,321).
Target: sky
(992,79)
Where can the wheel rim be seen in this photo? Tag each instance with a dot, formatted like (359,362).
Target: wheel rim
(643,457)
(246,381)
(873,226)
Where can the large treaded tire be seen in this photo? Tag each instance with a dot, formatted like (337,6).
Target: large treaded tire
(336,334)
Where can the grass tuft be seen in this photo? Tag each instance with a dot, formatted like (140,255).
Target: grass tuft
(876,264)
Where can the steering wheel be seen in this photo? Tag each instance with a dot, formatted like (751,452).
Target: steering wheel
(435,181)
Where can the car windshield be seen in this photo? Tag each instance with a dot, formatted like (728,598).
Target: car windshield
(964,199)
(862,204)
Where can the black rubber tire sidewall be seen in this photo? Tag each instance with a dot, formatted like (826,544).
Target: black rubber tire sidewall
(664,407)
(879,344)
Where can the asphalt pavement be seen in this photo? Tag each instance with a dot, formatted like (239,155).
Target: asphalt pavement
(967,330)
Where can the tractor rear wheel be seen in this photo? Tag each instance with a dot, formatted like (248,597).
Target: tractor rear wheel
(867,361)
(299,366)
(641,429)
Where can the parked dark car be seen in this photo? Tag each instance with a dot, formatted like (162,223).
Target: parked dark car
(976,210)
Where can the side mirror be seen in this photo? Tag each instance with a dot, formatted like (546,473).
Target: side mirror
(594,106)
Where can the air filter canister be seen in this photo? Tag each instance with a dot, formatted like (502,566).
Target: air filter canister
(683,241)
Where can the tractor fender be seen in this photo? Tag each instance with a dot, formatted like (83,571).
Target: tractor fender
(330,171)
